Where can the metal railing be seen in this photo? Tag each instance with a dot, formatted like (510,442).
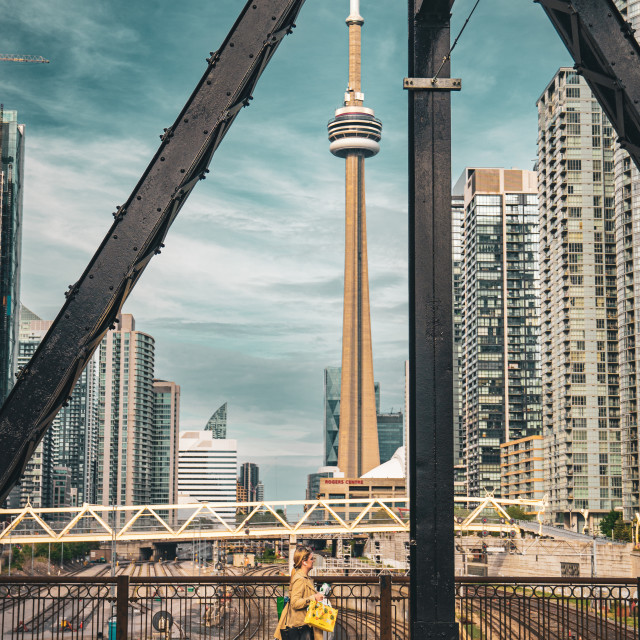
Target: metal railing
(553,608)
(221,607)
(237,607)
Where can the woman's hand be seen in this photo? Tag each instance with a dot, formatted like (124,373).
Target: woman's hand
(319,597)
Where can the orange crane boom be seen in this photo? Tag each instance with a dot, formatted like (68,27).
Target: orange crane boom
(14,57)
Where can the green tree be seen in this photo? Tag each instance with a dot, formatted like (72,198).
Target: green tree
(609,522)
(517,513)
(621,531)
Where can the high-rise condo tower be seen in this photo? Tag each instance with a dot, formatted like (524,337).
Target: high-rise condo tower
(354,134)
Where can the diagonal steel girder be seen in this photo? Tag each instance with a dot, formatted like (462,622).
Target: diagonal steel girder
(606,52)
(138,230)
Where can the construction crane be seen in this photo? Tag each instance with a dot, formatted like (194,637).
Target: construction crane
(15,57)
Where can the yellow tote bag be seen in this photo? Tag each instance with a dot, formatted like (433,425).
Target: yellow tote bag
(321,616)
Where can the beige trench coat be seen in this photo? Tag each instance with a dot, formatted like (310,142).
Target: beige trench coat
(301,593)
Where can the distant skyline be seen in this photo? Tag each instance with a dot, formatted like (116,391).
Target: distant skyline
(245,301)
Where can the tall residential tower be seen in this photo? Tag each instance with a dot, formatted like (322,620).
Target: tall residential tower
(354,134)
(627,218)
(579,319)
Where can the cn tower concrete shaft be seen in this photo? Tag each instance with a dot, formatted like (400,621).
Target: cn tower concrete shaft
(354,134)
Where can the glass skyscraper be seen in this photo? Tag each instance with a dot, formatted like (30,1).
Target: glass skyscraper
(331,415)
(390,434)
(165,445)
(500,308)
(249,479)
(11,190)
(68,450)
(332,378)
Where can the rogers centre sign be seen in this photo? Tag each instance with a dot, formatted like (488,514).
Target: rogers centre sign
(343,481)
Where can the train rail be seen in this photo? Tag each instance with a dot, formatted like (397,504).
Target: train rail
(555,614)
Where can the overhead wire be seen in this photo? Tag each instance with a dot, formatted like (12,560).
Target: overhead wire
(455,42)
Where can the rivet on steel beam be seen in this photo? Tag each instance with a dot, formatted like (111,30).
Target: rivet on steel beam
(161,158)
(135,248)
(115,237)
(158,209)
(139,198)
(91,277)
(111,288)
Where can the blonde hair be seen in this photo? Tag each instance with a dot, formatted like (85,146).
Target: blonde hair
(301,555)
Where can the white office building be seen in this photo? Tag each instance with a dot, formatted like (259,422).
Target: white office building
(207,470)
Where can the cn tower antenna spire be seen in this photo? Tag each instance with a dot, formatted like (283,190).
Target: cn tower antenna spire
(354,135)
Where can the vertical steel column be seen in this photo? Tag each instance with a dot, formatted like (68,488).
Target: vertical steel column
(432,593)
(386,625)
(122,607)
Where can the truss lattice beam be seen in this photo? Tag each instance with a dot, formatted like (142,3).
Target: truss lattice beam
(202,520)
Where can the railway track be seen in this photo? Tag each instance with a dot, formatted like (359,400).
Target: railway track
(61,612)
(528,617)
(365,625)
(257,614)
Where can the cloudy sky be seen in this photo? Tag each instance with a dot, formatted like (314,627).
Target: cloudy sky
(245,301)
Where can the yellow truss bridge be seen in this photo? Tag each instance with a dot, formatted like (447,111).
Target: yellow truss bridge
(242,520)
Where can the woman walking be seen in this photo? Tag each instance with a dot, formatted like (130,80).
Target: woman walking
(301,594)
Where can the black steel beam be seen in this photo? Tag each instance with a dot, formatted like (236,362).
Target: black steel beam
(432,592)
(605,51)
(138,230)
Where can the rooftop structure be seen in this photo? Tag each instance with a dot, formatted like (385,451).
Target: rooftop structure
(218,422)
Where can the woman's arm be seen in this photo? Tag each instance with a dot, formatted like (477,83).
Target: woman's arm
(297,596)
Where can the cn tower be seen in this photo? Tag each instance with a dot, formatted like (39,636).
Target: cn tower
(354,134)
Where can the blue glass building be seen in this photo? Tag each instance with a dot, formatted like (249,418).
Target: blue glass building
(11,188)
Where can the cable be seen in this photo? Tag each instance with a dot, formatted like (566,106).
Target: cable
(455,42)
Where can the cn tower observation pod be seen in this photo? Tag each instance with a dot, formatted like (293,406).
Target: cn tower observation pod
(354,129)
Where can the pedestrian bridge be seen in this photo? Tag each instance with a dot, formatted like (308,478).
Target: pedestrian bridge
(244,520)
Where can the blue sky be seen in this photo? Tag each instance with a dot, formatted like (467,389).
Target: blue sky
(245,300)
